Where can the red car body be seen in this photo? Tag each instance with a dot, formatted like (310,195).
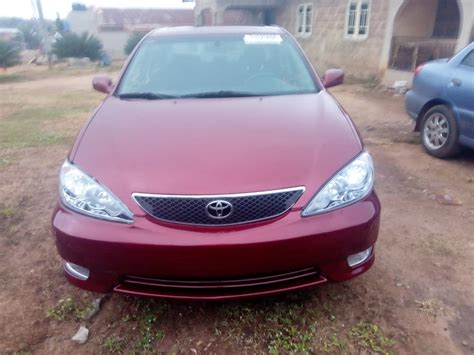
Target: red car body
(217,146)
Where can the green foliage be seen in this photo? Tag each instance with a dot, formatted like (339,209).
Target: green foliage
(114,345)
(68,309)
(133,41)
(144,317)
(9,54)
(371,337)
(58,23)
(6,212)
(29,29)
(65,308)
(3,163)
(31,36)
(148,334)
(283,325)
(78,46)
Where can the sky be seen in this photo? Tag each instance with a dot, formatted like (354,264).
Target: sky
(24,8)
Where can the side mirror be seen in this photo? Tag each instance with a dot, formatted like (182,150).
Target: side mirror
(103,84)
(333,77)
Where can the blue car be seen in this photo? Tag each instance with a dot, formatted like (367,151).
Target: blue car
(442,103)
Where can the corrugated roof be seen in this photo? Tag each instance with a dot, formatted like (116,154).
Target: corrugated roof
(115,18)
(9,30)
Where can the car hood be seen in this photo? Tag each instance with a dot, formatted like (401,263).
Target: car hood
(216,146)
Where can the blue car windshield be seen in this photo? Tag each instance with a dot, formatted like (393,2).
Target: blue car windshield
(225,65)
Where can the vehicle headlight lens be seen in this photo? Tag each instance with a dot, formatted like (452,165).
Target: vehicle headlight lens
(85,195)
(351,184)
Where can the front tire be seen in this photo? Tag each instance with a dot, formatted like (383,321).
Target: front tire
(439,132)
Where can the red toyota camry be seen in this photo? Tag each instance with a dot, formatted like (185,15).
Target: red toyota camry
(218,167)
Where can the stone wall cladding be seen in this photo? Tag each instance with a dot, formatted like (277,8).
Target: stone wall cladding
(327,47)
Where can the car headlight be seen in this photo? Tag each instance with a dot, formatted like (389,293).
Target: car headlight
(85,195)
(354,182)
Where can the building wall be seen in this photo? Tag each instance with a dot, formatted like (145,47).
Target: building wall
(204,12)
(328,47)
(416,20)
(466,32)
(81,21)
(113,41)
(466,8)
(226,12)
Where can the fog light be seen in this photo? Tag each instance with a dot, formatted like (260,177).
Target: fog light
(359,258)
(76,271)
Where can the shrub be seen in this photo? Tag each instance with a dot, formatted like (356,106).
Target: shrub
(9,54)
(133,41)
(72,45)
(29,28)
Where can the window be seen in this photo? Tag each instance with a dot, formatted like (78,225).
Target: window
(357,20)
(254,64)
(447,20)
(304,25)
(469,59)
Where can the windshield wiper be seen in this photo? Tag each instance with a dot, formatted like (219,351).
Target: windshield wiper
(222,93)
(145,96)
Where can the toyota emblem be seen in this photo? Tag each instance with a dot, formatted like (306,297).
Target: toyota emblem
(219,209)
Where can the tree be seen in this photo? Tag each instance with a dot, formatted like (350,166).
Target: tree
(9,54)
(29,28)
(78,46)
(59,24)
(31,34)
(133,41)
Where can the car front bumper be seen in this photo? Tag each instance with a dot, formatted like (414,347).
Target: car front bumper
(151,259)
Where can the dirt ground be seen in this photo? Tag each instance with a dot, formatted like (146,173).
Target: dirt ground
(418,297)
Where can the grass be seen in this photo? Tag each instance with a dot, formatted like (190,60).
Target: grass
(293,324)
(114,344)
(32,72)
(70,309)
(370,337)
(149,334)
(7,212)
(32,116)
(32,124)
(431,307)
(298,323)
(143,320)
(10,78)
(439,246)
(4,163)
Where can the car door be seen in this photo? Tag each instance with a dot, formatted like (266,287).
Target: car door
(461,92)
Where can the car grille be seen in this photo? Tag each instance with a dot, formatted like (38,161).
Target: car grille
(194,210)
(220,289)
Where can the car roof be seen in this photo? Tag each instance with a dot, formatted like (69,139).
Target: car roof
(215,30)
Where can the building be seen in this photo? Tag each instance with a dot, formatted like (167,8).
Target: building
(113,26)
(369,39)
(10,34)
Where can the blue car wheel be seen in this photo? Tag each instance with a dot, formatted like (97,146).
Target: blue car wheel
(440,132)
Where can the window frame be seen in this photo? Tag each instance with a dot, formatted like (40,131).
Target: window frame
(464,60)
(117,90)
(304,24)
(357,36)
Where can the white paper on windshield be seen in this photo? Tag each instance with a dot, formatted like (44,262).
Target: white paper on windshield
(263,39)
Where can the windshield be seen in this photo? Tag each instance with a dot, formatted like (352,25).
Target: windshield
(211,66)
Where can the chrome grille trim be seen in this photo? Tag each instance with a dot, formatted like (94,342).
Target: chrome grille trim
(210,284)
(298,192)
